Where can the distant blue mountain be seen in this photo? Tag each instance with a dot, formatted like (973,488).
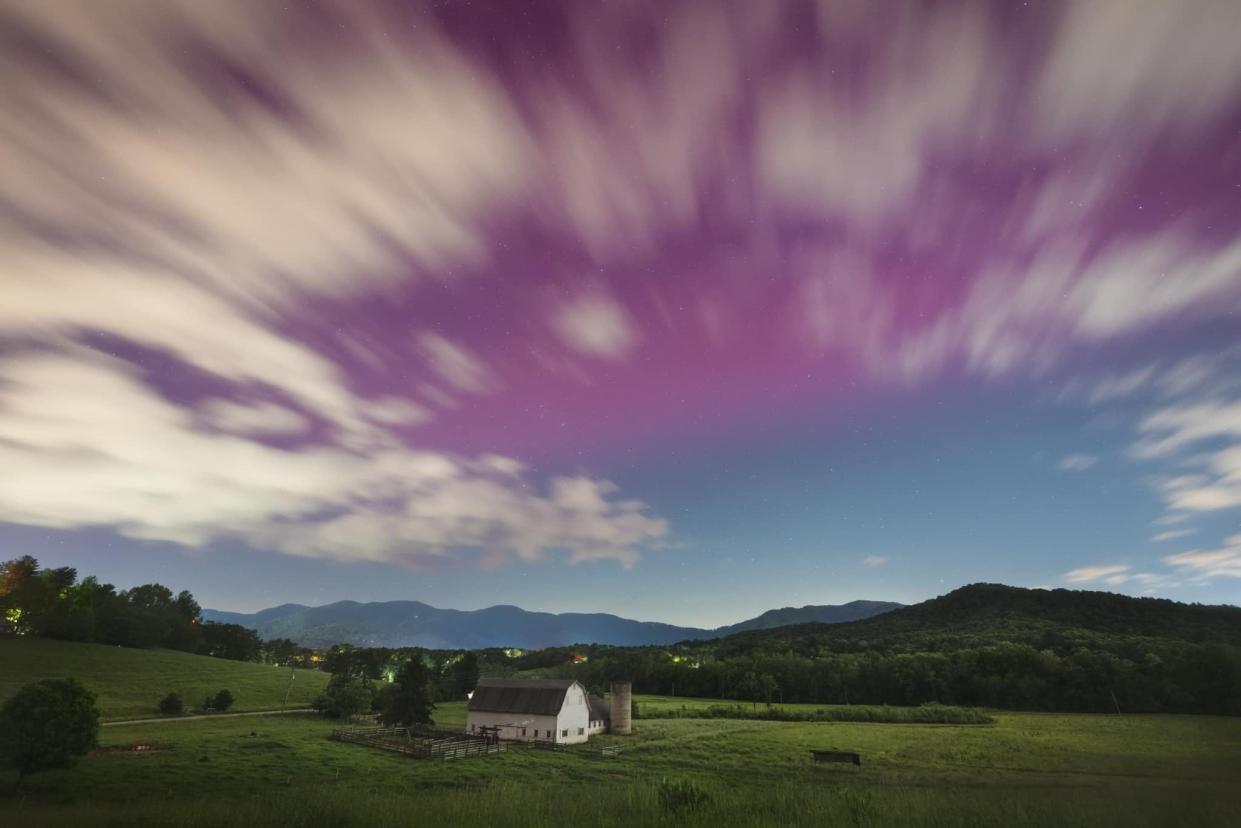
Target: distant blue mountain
(413,623)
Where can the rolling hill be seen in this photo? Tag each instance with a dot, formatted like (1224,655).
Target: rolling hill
(413,623)
(812,614)
(129,682)
(986,613)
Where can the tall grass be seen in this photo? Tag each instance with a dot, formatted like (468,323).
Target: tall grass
(624,803)
(926,714)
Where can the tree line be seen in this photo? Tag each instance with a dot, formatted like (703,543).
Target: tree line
(1138,675)
(400,687)
(54,603)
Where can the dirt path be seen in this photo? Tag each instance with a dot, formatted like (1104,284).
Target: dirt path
(208,716)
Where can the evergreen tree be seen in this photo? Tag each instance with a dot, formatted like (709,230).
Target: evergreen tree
(408,699)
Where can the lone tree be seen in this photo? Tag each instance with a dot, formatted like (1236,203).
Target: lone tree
(48,724)
(407,701)
(345,696)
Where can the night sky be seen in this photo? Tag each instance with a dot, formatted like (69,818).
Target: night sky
(677,310)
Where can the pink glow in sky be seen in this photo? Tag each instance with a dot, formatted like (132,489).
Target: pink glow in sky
(385,281)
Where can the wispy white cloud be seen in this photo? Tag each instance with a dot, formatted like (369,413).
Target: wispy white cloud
(1117,575)
(1077,462)
(1169,70)
(456,364)
(875,561)
(87,443)
(1171,534)
(272,204)
(820,153)
(1203,436)
(597,325)
(1095,573)
(1208,564)
(261,418)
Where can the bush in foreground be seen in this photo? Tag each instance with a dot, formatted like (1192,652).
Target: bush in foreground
(48,724)
(223,701)
(218,703)
(171,705)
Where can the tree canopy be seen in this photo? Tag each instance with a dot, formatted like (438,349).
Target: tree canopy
(408,700)
(47,724)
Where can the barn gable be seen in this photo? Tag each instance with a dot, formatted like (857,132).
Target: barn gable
(537,697)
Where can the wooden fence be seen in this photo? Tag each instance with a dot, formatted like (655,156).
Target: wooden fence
(605,752)
(419,744)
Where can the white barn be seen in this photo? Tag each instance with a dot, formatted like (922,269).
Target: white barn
(546,710)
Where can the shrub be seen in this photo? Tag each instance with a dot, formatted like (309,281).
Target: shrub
(171,705)
(344,697)
(223,701)
(47,724)
(681,795)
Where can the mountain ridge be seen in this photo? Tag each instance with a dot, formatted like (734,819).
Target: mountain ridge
(415,623)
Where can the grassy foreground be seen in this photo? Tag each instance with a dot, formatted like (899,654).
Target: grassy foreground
(129,683)
(1027,769)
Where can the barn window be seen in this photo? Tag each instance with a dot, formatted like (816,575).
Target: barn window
(523,731)
(580,731)
(564,732)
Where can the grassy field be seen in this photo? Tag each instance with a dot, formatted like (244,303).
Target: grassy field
(684,708)
(1027,769)
(129,683)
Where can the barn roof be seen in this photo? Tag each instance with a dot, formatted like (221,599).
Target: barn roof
(599,710)
(538,697)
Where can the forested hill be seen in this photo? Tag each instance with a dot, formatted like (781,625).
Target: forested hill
(987,613)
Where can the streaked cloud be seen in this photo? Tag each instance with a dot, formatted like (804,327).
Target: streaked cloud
(597,325)
(261,418)
(299,242)
(1077,462)
(1207,564)
(88,444)
(456,364)
(875,561)
(1087,574)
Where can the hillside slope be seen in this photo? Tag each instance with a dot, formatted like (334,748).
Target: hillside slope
(129,683)
(811,614)
(413,623)
(982,613)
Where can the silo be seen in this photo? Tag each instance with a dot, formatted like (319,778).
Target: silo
(622,697)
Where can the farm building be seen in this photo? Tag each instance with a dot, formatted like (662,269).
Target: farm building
(546,710)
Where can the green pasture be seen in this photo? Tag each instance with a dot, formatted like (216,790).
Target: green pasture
(1026,769)
(129,683)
